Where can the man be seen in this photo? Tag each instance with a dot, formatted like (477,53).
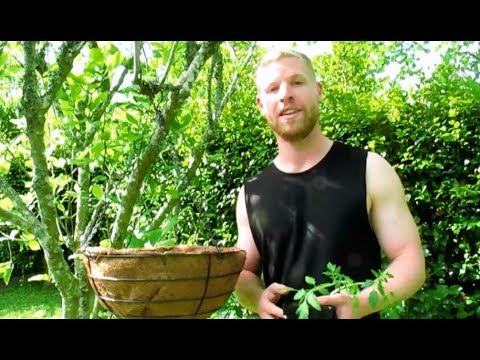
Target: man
(319,201)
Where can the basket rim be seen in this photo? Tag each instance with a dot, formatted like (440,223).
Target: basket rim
(180,250)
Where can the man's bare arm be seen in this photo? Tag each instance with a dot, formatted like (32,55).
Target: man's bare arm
(249,286)
(396,232)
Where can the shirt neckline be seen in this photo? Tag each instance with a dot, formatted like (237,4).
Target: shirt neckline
(322,161)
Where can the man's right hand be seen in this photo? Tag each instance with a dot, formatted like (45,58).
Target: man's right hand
(267,308)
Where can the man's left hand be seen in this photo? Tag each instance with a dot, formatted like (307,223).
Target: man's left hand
(343,304)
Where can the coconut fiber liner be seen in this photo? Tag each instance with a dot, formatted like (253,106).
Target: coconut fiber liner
(174,282)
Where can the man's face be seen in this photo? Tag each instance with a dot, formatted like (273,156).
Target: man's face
(288,97)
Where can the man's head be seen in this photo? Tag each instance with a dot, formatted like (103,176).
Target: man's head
(288,93)
(278,54)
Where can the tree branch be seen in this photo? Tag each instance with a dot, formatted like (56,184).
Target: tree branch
(36,133)
(81,216)
(148,158)
(96,217)
(207,136)
(233,83)
(82,229)
(151,88)
(137,73)
(176,98)
(19,221)
(12,195)
(135,181)
(169,63)
(2,45)
(68,53)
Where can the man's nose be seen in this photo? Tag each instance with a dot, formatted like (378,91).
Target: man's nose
(284,92)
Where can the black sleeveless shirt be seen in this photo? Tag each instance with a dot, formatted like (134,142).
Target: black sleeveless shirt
(302,221)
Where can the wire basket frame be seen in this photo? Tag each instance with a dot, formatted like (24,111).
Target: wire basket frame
(174,282)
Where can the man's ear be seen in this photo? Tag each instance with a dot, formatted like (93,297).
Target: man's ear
(320,91)
(259,104)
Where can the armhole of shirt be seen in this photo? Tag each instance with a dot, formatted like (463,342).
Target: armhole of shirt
(247,209)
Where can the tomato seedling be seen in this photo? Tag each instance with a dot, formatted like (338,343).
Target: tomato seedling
(306,298)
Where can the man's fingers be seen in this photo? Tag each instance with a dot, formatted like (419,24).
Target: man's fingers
(273,312)
(269,298)
(332,300)
(324,300)
(267,316)
(279,289)
(277,312)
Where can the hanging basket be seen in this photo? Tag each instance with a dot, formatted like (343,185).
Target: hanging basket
(174,282)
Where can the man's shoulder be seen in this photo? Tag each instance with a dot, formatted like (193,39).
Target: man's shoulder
(377,162)
(350,147)
(350,151)
(261,175)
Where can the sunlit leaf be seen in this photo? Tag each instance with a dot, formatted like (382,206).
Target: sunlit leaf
(97,191)
(312,301)
(6,269)
(6,204)
(302,311)
(4,165)
(39,277)
(105,244)
(33,245)
(299,294)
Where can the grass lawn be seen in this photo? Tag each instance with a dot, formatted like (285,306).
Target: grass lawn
(21,299)
(29,300)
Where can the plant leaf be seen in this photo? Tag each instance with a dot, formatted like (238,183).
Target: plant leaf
(166,242)
(331,267)
(367,283)
(373,298)
(313,302)
(6,269)
(381,289)
(39,277)
(33,245)
(105,243)
(97,191)
(300,294)
(302,311)
(323,291)
(310,280)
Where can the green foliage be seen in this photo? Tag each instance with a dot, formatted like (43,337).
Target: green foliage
(6,269)
(441,301)
(232,310)
(428,132)
(24,260)
(152,238)
(307,297)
